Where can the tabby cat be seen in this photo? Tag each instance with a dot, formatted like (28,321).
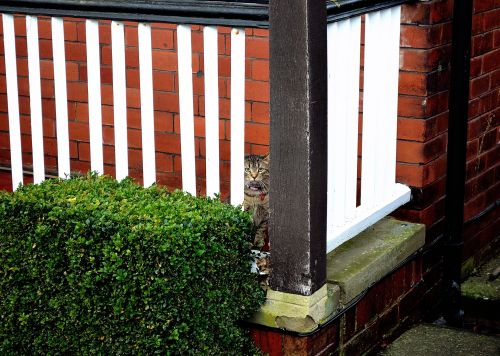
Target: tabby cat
(256,198)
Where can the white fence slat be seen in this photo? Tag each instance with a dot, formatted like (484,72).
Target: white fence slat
(186,108)
(35,99)
(147,106)
(12,100)
(119,99)
(383,119)
(237,115)
(392,92)
(211,109)
(94,95)
(61,97)
(373,67)
(336,123)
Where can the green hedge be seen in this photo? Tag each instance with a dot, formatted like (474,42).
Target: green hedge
(92,265)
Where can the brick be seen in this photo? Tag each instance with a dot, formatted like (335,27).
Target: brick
(441,11)
(260,70)
(412,83)
(257,91)
(483,5)
(166,102)
(492,19)
(415,13)
(482,43)
(134,138)
(164,162)
(417,152)
(162,38)
(131,36)
(163,81)
(168,143)
(476,65)
(257,133)
(479,126)
(79,166)
(479,86)
(477,24)
(257,47)
(268,341)
(491,61)
(479,184)
(260,112)
(78,131)
(77,91)
(135,159)
(75,51)
(425,36)
(163,60)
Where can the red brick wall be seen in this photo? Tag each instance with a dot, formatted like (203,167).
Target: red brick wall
(423,111)
(483,147)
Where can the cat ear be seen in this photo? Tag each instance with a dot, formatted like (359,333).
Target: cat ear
(265,158)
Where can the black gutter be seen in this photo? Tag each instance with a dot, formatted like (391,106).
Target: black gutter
(456,158)
(237,13)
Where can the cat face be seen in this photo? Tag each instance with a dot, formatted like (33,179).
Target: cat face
(256,174)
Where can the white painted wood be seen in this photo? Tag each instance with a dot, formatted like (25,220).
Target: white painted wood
(380,195)
(12,100)
(384,70)
(147,106)
(35,99)
(211,60)
(373,67)
(343,105)
(366,217)
(119,99)
(337,79)
(61,97)
(237,115)
(392,90)
(186,108)
(94,95)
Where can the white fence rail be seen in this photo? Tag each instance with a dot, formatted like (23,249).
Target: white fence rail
(380,194)
(185,80)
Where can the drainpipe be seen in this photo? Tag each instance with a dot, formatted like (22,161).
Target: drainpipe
(456,160)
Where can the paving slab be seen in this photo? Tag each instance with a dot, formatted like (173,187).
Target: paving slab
(430,340)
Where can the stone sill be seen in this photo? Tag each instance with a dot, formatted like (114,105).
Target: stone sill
(351,269)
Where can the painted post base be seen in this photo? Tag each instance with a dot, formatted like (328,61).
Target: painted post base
(298,313)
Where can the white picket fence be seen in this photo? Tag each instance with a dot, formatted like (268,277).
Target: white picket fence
(185,81)
(380,194)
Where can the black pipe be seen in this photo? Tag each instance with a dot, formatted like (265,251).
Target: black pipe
(456,158)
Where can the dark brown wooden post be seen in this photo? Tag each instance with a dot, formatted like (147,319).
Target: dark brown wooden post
(298,145)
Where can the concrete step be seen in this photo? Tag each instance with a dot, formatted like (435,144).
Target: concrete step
(433,340)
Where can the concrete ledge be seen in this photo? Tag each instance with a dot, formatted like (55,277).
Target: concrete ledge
(297,312)
(369,256)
